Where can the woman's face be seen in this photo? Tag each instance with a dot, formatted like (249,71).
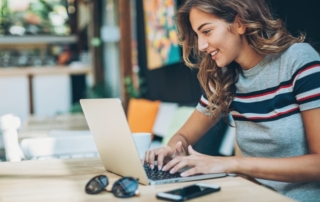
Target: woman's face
(216,38)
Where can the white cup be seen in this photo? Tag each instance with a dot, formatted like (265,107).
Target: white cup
(142,142)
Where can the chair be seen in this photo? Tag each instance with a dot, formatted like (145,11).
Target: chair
(164,118)
(142,114)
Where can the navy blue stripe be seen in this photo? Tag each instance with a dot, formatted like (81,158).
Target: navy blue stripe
(205,96)
(307,83)
(266,119)
(284,83)
(266,106)
(302,85)
(305,67)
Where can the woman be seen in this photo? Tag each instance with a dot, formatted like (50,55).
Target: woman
(250,66)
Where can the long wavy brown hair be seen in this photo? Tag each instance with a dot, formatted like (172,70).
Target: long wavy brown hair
(264,34)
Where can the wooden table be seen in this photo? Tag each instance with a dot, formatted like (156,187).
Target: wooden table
(64,180)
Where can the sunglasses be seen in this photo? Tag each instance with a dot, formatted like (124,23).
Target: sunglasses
(123,188)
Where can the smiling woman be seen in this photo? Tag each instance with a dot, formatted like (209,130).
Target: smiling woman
(263,35)
(252,68)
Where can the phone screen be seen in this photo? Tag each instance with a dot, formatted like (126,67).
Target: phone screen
(193,190)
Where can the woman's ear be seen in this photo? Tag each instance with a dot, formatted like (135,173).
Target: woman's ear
(241,29)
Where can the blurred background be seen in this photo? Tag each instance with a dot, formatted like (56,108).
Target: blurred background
(55,52)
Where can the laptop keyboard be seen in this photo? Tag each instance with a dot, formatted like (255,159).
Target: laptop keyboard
(155,174)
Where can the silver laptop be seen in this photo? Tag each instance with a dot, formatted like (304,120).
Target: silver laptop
(110,130)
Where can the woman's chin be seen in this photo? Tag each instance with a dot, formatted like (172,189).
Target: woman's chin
(220,64)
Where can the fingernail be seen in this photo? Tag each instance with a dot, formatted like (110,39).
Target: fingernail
(159,167)
(152,167)
(183,174)
(172,171)
(164,168)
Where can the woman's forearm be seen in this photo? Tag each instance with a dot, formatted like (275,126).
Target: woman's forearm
(193,129)
(176,138)
(294,169)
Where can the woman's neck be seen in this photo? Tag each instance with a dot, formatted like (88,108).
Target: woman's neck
(248,57)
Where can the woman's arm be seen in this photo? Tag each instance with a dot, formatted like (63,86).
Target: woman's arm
(292,169)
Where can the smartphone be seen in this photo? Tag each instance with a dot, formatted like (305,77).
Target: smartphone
(188,192)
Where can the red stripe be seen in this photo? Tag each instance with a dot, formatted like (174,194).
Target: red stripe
(274,116)
(308,97)
(263,94)
(281,87)
(316,65)
(205,104)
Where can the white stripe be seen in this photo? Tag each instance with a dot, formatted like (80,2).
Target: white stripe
(280,91)
(308,93)
(273,113)
(264,97)
(203,99)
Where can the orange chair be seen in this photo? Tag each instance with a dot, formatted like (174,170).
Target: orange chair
(142,114)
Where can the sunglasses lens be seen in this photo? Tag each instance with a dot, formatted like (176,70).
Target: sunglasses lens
(96,184)
(125,187)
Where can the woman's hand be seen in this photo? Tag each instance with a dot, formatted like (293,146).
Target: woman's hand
(163,155)
(200,163)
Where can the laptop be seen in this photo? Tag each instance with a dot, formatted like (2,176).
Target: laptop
(111,133)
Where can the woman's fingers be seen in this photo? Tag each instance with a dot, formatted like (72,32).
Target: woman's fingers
(173,163)
(160,158)
(198,162)
(178,147)
(146,157)
(192,151)
(160,154)
(169,165)
(181,162)
(151,156)
(178,166)
(189,172)
(163,154)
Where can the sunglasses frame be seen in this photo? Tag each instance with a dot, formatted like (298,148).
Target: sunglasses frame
(113,186)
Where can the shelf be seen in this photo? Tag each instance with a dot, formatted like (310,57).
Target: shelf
(18,40)
(34,71)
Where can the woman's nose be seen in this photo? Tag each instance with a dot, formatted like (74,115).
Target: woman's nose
(202,45)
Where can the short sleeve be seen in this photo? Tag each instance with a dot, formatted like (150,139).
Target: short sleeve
(203,105)
(306,86)
(306,77)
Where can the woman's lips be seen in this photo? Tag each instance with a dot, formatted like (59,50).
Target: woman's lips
(214,54)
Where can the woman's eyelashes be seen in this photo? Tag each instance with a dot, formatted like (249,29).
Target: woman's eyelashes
(207,31)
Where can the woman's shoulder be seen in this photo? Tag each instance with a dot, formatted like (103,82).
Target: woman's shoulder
(299,55)
(300,48)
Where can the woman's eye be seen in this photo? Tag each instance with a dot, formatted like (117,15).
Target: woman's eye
(206,31)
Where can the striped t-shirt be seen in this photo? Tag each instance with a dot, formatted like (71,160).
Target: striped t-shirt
(267,111)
